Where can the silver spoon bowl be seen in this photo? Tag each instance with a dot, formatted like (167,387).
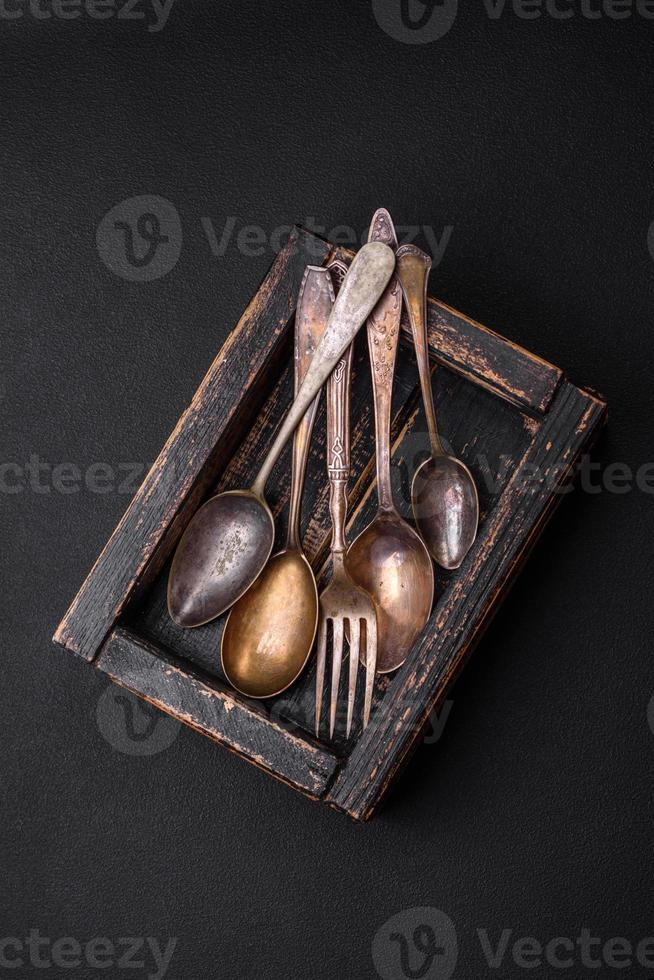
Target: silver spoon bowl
(446,508)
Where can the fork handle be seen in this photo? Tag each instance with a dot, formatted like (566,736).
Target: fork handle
(338,447)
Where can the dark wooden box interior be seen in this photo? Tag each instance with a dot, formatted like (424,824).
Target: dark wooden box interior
(514,419)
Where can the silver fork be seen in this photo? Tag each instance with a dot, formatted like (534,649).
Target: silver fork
(348,607)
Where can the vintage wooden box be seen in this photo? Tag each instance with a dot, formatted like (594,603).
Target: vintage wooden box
(515,420)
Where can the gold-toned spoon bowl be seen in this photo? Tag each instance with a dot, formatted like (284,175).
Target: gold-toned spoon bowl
(270,631)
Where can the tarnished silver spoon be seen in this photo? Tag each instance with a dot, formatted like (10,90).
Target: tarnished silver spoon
(389,559)
(443,493)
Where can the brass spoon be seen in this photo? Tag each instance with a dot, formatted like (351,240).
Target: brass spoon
(388,559)
(229,540)
(443,492)
(270,630)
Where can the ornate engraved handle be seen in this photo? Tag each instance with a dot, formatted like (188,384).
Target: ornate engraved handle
(338,433)
(383,337)
(412,270)
(338,447)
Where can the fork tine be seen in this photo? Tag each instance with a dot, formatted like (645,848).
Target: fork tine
(355,629)
(320,669)
(371,664)
(337,658)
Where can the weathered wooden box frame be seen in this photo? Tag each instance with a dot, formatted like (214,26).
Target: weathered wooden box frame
(556,422)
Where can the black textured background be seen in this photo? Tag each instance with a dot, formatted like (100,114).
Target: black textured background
(532,139)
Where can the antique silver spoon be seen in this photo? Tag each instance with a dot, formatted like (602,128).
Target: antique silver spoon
(443,493)
(389,559)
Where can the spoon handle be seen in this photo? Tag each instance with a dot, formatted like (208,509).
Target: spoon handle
(364,283)
(412,269)
(383,337)
(315,301)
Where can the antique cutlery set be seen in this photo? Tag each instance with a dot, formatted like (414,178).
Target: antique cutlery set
(381,591)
